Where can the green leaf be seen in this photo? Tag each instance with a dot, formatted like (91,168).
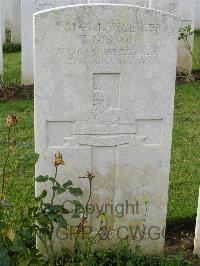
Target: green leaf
(52,208)
(61,221)
(17,245)
(78,205)
(67,184)
(3,252)
(61,190)
(6,261)
(65,211)
(42,178)
(52,216)
(2,226)
(42,195)
(75,191)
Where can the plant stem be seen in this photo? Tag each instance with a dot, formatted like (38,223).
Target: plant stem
(5,163)
(86,206)
(85,214)
(44,243)
(52,202)
(54,192)
(189,48)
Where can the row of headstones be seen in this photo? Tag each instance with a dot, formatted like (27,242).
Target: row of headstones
(104,93)
(21,26)
(11,20)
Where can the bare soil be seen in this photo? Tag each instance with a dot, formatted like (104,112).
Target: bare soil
(180,240)
(17,92)
(185,79)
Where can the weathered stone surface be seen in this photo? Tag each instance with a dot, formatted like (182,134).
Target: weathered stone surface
(169,6)
(104,93)
(143,3)
(197,231)
(162,5)
(197,15)
(32,6)
(28,9)
(16,21)
(175,7)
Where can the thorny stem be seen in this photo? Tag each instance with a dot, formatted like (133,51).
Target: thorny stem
(54,192)
(52,202)
(5,163)
(90,195)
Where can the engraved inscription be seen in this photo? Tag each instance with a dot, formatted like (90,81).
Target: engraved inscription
(110,55)
(103,130)
(112,26)
(112,42)
(107,141)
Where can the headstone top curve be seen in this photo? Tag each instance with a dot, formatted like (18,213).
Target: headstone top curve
(60,8)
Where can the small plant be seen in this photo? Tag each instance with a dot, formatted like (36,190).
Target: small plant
(47,214)
(17,237)
(10,122)
(184,33)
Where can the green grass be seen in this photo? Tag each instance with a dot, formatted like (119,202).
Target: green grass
(20,187)
(12,69)
(196,50)
(185,163)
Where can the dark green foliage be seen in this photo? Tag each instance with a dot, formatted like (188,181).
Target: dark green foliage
(11,47)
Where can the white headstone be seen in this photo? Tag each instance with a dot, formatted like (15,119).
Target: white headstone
(16,21)
(197,15)
(104,97)
(184,58)
(169,6)
(1,40)
(3,26)
(175,7)
(162,5)
(143,3)
(197,231)
(7,14)
(185,9)
(28,9)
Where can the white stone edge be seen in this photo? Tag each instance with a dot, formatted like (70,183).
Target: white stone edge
(103,4)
